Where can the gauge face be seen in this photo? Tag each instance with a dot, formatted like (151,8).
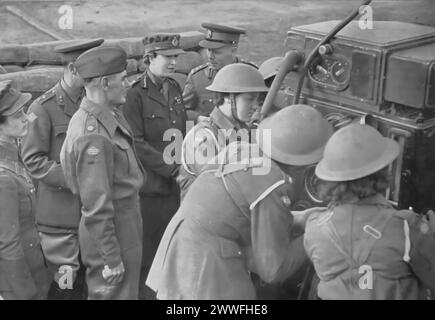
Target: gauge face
(330,71)
(320,70)
(340,72)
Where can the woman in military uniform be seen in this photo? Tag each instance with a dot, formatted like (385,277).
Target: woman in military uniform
(361,246)
(154,106)
(236,219)
(23,274)
(238,87)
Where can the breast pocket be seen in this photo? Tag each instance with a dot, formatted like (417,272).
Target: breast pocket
(156,122)
(59,134)
(121,156)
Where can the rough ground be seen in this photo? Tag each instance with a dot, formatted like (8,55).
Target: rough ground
(266,21)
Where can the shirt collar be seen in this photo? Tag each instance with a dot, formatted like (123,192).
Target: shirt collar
(74,96)
(377,199)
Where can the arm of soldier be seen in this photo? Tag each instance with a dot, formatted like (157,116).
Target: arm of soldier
(275,255)
(419,232)
(200,147)
(14,269)
(150,158)
(190,99)
(94,173)
(36,147)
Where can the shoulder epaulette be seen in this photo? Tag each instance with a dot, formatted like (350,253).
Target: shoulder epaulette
(198,68)
(91,124)
(46,96)
(137,80)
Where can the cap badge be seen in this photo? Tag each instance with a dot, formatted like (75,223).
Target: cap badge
(175,42)
(209,34)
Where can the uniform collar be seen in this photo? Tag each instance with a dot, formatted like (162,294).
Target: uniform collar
(8,151)
(377,199)
(222,121)
(67,98)
(154,89)
(104,115)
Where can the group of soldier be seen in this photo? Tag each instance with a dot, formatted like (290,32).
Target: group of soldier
(125,223)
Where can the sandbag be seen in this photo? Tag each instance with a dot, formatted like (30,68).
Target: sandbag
(36,80)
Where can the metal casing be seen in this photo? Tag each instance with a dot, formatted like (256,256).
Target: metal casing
(410,77)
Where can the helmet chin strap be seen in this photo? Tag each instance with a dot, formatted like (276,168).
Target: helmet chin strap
(234,110)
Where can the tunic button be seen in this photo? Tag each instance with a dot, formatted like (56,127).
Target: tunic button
(153,116)
(173,121)
(239,253)
(210,100)
(31,245)
(91,128)
(171,109)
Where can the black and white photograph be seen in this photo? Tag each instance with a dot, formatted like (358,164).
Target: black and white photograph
(227,151)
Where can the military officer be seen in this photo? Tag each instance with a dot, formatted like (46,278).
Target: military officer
(155,105)
(57,209)
(241,224)
(23,274)
(239,86)
(221,43)
(100,167)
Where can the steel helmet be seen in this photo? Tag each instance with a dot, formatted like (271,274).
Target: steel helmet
(238,78)
(298,135)
(354,152)
(270,67)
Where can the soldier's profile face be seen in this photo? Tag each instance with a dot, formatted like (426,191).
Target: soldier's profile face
(117,88)
(221,57)
(247,104)
(162,65)
(15,125)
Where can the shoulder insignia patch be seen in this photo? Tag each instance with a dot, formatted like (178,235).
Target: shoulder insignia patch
(93,151)
(91,124)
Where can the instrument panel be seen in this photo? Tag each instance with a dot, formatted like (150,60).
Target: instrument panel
(330,71)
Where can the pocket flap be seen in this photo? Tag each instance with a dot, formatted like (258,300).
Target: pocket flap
(122,143)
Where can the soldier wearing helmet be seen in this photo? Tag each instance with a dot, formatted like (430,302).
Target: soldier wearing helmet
(268,70)
(221,43)
(238,86)
(236,218)
(361,246)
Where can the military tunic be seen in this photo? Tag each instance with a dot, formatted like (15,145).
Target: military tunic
(57,209)
(153,108)
(100,165)
(198,100)
(342,242)
(208,250)
(23,274)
